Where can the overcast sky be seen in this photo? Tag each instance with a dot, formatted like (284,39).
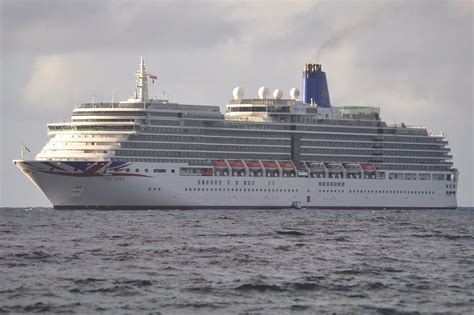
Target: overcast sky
(413,59)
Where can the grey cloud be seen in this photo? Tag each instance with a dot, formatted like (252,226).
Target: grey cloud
(425,43)
(47,26)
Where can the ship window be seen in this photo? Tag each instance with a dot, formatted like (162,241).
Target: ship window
(137,170)
(146,170)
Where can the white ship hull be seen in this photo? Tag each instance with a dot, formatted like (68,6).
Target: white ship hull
(104,188)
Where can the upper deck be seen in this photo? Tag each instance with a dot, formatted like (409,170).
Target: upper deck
(143,129)
(144,106)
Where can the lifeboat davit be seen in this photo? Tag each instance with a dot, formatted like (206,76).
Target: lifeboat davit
(236,164)
(270,164)
(315,165)
(286,165)
(253,164)
(219,164)
(352,166)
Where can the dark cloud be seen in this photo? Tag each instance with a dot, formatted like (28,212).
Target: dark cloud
(46,26)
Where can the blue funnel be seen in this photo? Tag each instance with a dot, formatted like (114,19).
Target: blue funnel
(315,86)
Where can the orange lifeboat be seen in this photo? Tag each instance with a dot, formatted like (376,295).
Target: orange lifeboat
(219,164)
(286,165)
(206,172)
(253,164)
(236,164)
(270,164)
(368,167)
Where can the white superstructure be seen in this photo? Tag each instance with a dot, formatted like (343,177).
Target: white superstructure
(263,153)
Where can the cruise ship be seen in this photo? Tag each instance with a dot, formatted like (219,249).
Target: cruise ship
(266,151)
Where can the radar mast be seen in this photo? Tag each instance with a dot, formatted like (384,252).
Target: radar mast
(141,82)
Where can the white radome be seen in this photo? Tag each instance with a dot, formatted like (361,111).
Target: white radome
(278,94)
(294,93)
(238,93)
(263,92)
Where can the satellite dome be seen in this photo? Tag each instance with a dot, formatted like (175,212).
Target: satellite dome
(263,92)
(238,93)
(278,94)
(294,93)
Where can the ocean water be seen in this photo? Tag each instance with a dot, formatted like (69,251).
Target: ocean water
(231,262)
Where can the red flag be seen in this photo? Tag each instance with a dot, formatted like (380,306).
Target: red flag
(153,77)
